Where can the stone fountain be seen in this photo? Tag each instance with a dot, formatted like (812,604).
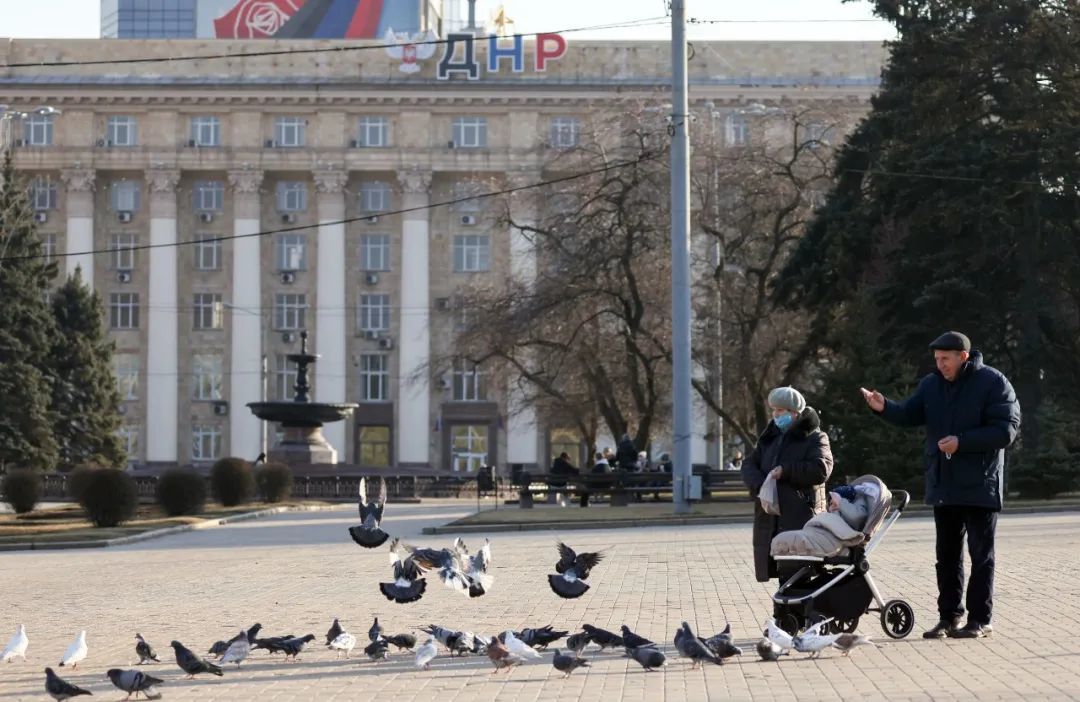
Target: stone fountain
(301,419)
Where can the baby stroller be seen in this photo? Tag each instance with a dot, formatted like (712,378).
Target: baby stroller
(839,587)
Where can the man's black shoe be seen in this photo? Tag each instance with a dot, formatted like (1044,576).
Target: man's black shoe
(944,628)
(972,630)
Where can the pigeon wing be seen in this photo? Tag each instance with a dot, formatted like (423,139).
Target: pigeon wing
(567,557)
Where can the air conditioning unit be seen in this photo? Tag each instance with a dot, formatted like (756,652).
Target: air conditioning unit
(450,144)
(269,143)
(192,143)
(121,409)
(442,304)
(288,218)
(468,220)
(371,278)
(20,142)
(355,144)
(371,334)
(100,143)
(443,384)
(221,409)
(41,216)
(373,219)
(288,277)
(123,276)
(386,343)
(288,337)
(124,216)
(206,217)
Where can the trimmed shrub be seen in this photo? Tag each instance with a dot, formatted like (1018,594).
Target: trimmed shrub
(232,481)
(77,480)
(275,481)
(181,491)
(22,490)
(109,497)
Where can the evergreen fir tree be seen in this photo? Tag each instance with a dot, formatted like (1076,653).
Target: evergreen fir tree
(85,401)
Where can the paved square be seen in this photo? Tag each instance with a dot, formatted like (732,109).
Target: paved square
(295,572)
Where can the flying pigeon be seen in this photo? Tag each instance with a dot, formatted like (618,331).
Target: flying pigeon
(192,664)
(426,653)
(17,646)
(292,647)
(777,635)
(649,657)
(450,564)
(848,642)
(517,647)
(60,689)
(769,650)
(573,570)
(135,681)
(238,650)
(375,632)
(367,533)
(540,638)
(402,641)
(602,637)
(502,657)
(577,642)
(567,664)
(632,640)
(75,652)
(343,642)
(334,631)
(690,646)
(377,650)
(408,585)
(144,650)
(476,570)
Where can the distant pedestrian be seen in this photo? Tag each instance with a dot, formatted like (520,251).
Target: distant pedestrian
(735,463)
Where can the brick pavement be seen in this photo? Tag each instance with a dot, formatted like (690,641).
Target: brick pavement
(295,572)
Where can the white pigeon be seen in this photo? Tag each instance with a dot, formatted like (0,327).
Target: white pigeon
(238,650)
(810,641)
(75,652)
(777,635)
(17,646)
(343,642)
(518,647)
(426,653)
(848,642)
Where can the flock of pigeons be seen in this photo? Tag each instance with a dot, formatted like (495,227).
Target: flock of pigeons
(464,573)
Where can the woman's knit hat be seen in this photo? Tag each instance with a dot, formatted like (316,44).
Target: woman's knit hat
(787,398)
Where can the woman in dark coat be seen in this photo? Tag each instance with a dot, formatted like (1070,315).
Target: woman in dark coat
(795,449)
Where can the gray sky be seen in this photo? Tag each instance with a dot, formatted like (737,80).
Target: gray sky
(785,19)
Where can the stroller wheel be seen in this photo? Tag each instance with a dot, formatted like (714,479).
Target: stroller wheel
(791,623)
(843,626)
(897,619)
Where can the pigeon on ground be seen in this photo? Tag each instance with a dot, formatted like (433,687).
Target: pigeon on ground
(60,689)
(480,643)
(540,638)
(769,650)
(135,681)
(192,664)
(848,642)
(75,652)
(408,585)
(377,650)
(426,653)
(602,637)
(502,657)
(690,646)
(144,650)
(367,533)
(334,631)
(294,646)
(272,644)
(724,635)
(480,581)
(343,642)
(722,648)
(220,647)
(649,657)
(573,570)
(577,642)
(253,632)
(238,650)
(567,664)
(450,564)
(375,632)
(632,640)
(455,641)
(777,635)
(402,641)
(810,641)
(16,646)
(517,646)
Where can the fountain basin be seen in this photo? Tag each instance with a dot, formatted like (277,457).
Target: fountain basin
(302,414)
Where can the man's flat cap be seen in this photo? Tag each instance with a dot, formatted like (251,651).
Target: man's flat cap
(951,341)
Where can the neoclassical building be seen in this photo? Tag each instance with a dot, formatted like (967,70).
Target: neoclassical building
(221,205)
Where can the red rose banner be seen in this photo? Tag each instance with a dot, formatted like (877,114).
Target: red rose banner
(255,19)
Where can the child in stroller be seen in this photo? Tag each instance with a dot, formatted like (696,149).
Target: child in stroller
(832,579)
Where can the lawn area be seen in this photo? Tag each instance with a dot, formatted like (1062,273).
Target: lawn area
(639,511)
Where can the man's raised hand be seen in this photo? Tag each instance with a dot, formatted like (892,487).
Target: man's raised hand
(873,398)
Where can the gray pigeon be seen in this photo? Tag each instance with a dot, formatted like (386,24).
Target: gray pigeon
(722,648)
(218,648)
(567,664)
(768,650)
(602,637)
(144,650)
(408,585)
(690,646)
(294,646)
(135,681)
(402,641)
(848,642)
(378,649)
(367,533)
(649,657)
(60,689)
(334,631)
(724,635)
(573,570)
(578,642)
(192,664)
(454,641)
(375,632)
(632,640)
(539,638)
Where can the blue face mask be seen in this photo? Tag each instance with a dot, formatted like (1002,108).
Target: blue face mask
(783,422)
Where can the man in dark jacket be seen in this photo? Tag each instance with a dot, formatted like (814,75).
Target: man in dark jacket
(971,415)
(795,450)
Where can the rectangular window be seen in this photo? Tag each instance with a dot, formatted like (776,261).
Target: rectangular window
(375,196)
(373,446)
(123,310)
(209,311)
(209,195)
(374,313)
(124,196)
(468,447)
(289,131)
(38,130)
(564,132)
(470,132)
(736,130)
(289,311)
(206,371)
(472,253)
(468,382)
(465,196)
(126,366)
(373,132)
(374,377)
(123,251)
(43,194)
(208,253)
(290,252)
(48,247)
(206,131)
(284,377)
(291,196)
(375,252)
(121,131)
(129,438)
(205,443)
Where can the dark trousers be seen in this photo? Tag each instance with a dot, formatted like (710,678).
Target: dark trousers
(979,524)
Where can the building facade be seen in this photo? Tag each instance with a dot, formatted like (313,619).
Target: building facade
(294,192)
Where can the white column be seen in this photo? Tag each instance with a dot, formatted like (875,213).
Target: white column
(80,222)
(522,431)
(162,354)
(414,345)
(330,311)
(245,356)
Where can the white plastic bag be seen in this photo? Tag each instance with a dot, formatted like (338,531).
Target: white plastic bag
(770,501)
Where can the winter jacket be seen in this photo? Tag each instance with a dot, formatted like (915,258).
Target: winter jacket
(979,408)
(804,454)
(626,455)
